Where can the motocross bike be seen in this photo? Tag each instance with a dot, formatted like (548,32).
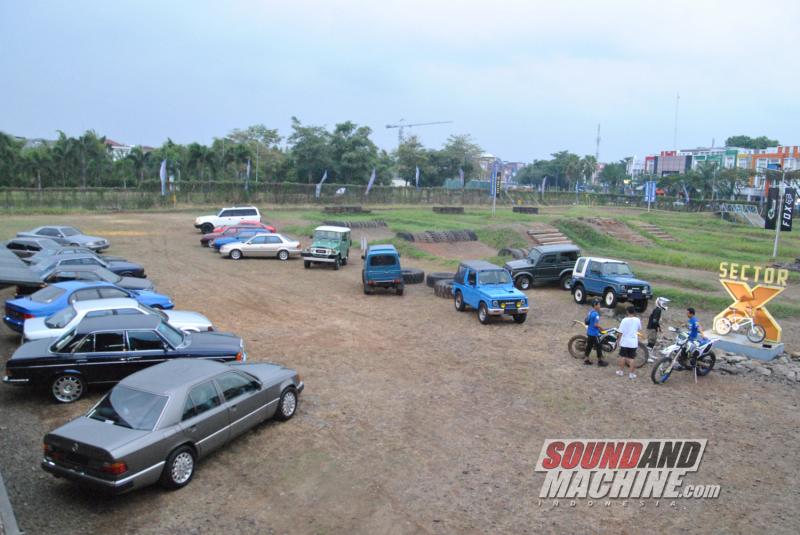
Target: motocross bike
(697,356)
(609,341)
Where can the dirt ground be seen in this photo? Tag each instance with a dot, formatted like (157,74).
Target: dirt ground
(415,418)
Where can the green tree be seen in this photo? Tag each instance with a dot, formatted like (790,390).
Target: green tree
(410,155)
(613,175)
(310,152)
(10,154)
(747,142)
(353,153)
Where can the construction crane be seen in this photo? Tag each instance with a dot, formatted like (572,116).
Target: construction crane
(401,125)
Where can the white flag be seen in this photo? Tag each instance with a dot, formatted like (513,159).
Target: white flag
(162,174)
(416,178)
(461,176)
(319,186)
(371,181)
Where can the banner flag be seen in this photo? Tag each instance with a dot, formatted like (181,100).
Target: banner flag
(162,174)
(416,178)
(371,181)
(319,186)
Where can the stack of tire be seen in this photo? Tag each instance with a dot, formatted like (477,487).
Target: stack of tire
(442,283)
(412,275)
(439,236)
(374,223)
(515,253)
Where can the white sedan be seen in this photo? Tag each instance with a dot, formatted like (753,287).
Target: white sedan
(65,319)
(271,245)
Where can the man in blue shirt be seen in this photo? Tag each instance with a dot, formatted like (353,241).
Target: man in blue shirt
(593,329)
(694,325)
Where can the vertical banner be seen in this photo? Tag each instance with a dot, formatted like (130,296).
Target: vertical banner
(789,198)
(461,176)
(493,189)
(162,174)
(650,191)
(371,181)
(544,184)
(416,178)
(772,209)
(319,186)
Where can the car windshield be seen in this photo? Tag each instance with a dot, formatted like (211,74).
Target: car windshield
(154,312)
(173,335)
(326,235)
(131,408)
(534,255)
(47,295)
(69,231)
(60,319)
(494,276)
(616,268)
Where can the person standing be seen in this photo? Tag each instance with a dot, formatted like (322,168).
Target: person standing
(630,331)
(693,324)
(593,330)
(654,327)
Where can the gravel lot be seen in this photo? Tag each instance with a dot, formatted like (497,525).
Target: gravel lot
(415,418)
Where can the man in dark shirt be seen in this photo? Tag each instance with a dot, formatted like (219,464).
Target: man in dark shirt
(654,326)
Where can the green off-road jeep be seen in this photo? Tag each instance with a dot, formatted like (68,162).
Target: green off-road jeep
(331,245)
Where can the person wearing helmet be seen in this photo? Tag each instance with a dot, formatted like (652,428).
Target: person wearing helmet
(654,327)
(593,330)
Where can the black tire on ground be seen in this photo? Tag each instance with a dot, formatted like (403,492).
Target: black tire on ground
(517,254)
(483,313)
(706,363)
(524,282)
(337,263)
(610,298)
(640,305)
(405,236)
(443,288)
(504,252)
(458,301)
(67,388)
(179,468)
(577,346)
(579,294)
(287,405)
(344,261)
(206,228)
(566,281)
(306,264)
(412,275)
(641,355)
(520,318)
(400,289)
(434,277)
(657,374)
(472,236)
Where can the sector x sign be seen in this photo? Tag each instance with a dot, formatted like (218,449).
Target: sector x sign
(769,282)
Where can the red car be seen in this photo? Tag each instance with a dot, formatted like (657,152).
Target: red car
(233,230)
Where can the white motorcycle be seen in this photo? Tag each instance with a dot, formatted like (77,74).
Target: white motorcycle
(684,355)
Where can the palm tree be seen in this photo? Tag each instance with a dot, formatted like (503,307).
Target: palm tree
(140,160)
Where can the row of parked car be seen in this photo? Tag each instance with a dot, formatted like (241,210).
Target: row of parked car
(180,389)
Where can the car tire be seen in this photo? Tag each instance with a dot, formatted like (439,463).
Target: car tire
(400,289)
(206,228)
(435,277)
(344,261)
(579,294)
(610,298)
(412,275)
(287,404)
(67,388)
(283,255)
(566,282)
(524,282)
(337,264)
(458,301)
(483,313)
(520,318)
(235,254)
(306,264)
(178,468)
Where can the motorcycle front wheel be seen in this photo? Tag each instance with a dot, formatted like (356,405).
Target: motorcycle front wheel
(661,371)
(577,346)
(705,363)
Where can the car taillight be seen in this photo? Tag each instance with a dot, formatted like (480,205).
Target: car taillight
(114,468)
(27,316)
(49,451)
(210,328)
(239,356)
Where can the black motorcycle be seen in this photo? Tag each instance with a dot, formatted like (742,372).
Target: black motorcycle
(684,355)
(609,341)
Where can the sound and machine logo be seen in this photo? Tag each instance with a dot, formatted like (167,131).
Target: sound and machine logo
(622,469)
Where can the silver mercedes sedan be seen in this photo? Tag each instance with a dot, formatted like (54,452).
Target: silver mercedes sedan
(269,245)
(156,424)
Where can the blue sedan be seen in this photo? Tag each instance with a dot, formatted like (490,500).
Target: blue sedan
(244,235)
(60,295)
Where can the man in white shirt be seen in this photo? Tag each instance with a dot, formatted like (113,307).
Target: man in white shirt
(630,332)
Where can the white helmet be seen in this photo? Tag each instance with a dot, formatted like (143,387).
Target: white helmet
(661,303)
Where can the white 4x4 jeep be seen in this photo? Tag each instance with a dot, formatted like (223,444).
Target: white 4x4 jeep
(227,216)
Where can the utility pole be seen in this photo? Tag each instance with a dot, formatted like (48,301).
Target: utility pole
(675,131)
(596,154)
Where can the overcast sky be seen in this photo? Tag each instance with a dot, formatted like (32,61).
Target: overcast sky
(525,78)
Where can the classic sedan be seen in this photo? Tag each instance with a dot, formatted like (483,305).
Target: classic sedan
(107,349)
(66,236)
(208,239)
(45,255)
(156,424)
(91,272)
(53,298)
(270,245)
(125,269)
(66,319)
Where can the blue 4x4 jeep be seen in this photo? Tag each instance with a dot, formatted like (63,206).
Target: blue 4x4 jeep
(488,289)
(382,269)
(611,279)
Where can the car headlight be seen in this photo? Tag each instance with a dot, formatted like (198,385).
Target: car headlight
(494,304)
(623,288)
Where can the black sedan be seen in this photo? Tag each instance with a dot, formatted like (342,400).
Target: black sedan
(125,269)
(91,272)
(105,350)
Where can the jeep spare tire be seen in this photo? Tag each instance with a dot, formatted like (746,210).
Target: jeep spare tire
(443,288)
(412,275)
(435,277)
